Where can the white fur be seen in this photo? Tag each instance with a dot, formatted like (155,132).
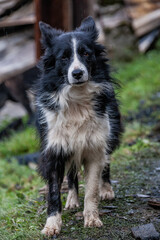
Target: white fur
(72,199)
(76,64)
(106,191)
(53,225)
(76,127)
(93,170)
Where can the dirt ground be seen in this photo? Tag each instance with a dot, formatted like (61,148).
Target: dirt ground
(135,185)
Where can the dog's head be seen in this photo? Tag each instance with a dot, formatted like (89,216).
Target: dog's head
(70,58)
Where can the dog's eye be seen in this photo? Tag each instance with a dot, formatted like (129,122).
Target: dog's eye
(86,54)
(64,57)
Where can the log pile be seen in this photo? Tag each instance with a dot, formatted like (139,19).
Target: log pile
(116,30)
(145,16)
(17,46)
(141,16)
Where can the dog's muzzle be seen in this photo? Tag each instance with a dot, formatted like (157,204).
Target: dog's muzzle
(78,77)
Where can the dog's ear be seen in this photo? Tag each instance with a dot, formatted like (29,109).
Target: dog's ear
(47,34)
(88,25)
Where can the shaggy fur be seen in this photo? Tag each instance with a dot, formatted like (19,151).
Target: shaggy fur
(78,120)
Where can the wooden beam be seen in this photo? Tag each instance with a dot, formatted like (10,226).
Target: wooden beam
(147,41)
(57,13)
(137,9)
(82,9)
(147,23)
(23,16)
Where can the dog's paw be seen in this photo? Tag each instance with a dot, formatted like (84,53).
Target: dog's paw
(92,219)
(72,200)
(53,225)
(106,192)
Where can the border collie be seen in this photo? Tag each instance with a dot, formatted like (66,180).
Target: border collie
(78,120)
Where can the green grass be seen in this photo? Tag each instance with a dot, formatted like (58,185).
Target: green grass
(139,80)
(18,212)
(20,143)
(23,215)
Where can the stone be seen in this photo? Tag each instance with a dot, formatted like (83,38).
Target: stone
(145,232)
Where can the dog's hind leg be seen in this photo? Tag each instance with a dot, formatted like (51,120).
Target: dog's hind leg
(93,170)
(106,191)
(72,198)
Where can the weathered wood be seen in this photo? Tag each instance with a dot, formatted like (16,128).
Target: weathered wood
(140,1)
(115,20)
(137,9)
(57,13)
(5,5)
(17,53)
(146,23)
(24,15)
(82,9)
(145,42)
(154,203)
(110,9)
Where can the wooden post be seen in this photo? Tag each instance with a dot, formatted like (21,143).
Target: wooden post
(62,14)
(57,13)
(82,9)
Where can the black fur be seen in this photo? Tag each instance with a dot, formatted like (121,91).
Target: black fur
(54,66)
(72,178)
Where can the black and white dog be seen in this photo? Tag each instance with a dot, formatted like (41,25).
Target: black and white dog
(78,120)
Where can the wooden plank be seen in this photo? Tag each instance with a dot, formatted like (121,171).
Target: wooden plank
(17,53)
(60,14)
(110,9)
(145,43)
(57,13)
(115,20)
(5,5)
(140,1)
(146,23)
(82,9)
(137,9)
(24,16)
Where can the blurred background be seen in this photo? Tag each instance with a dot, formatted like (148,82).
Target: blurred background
(130,30)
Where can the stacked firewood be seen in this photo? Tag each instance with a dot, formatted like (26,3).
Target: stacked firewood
(115,26)
(17,46)
(141,17)
(145,16)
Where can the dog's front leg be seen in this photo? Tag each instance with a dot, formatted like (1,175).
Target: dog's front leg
(54,221)
(92,176)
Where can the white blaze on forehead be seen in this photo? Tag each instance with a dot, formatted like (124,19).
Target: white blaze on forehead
(76,64)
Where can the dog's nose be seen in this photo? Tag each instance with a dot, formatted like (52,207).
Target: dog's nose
(77,73)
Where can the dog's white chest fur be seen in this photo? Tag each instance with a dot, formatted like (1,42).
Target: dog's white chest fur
(77,129)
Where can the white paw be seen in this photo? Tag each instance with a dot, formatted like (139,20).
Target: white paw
(72,200)
(53,225)
(106,192)
(91,219)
